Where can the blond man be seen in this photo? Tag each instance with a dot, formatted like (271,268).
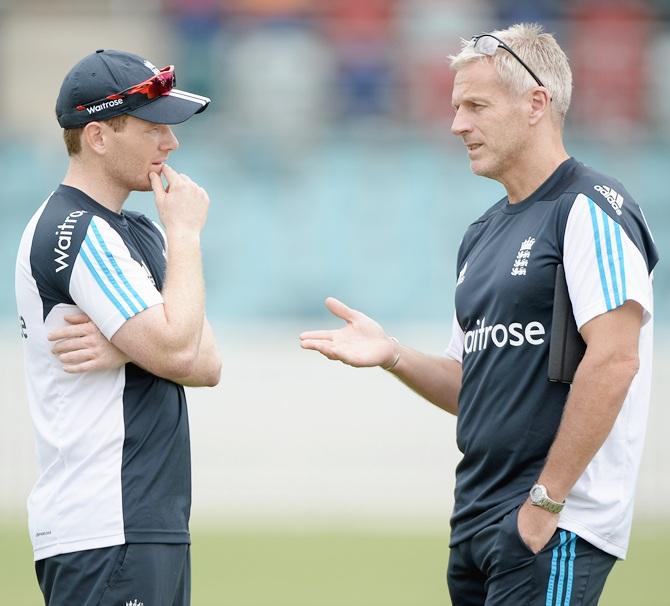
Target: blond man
(544,490)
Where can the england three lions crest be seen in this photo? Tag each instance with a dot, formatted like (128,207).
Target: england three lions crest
(521,262)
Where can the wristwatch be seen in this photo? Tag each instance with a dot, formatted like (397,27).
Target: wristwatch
(539,497)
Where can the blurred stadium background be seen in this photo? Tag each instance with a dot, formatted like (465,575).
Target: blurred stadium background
(327,155)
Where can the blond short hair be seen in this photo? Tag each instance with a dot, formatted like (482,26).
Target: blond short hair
(540,52)
(72,136)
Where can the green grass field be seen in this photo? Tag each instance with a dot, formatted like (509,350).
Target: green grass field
(338,568)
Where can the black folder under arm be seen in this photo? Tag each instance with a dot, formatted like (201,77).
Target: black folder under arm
(566,346)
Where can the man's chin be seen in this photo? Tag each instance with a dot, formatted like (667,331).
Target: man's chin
(143,185)
(482,169)
(478,169)
(146,185)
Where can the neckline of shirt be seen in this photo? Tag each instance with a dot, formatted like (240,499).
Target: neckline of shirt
(119,217)
(541,191)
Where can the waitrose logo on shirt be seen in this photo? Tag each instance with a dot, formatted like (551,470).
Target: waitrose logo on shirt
(514,334)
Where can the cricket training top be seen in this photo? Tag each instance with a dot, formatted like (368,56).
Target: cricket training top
(113,446)
(509,412)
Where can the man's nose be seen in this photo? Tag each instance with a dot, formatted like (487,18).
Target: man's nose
(169,142)
(460,124)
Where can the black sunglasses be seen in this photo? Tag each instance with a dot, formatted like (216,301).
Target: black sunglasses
(487,44)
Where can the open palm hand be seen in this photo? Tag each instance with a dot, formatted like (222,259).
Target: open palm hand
(360,342)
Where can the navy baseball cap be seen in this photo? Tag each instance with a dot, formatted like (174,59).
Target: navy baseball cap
(111,83)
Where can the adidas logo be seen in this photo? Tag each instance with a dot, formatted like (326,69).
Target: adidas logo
(615,199)
(461,275)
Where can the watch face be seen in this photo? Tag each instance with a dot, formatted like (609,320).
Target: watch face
(536,494)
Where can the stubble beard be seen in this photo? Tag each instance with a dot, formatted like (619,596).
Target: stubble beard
(502,161)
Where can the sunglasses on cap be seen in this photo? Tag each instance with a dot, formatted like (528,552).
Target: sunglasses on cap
(488,44)
(159,84)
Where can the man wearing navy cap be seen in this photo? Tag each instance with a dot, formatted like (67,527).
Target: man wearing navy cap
(111,308)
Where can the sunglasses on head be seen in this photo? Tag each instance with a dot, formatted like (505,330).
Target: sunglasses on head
(159,84)
(488,44)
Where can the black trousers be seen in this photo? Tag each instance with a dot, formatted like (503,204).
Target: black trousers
(496,568)
(135,573)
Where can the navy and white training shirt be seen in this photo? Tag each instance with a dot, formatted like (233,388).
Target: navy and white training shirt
(113,446)
(508,411)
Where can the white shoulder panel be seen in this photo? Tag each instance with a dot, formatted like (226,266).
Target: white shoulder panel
(107,284)
(603,268)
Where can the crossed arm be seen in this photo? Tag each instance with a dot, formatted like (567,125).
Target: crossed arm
(81,347)
(172,340)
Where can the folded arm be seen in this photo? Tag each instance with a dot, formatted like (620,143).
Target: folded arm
(81,347)
(165,337)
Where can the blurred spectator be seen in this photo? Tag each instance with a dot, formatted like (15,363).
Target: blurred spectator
(270,8)
(545,12)
(198,24)
(657,105)
(662,10)
(361,32)
(430,30)
(279,86)
(610,54)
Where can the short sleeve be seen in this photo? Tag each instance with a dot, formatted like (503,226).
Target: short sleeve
(107,284)
(455,347)
(603,267)
(161,231)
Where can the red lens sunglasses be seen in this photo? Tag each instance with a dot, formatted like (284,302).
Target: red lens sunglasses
(159,84)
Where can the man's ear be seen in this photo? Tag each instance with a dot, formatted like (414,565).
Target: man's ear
(540,102)
(94,137)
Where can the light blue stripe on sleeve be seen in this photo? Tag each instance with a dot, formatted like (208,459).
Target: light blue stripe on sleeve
(108,274)
(115,265)
(561,568)
(102,285)
(599,255)
(606,221)
(568,586)
(622,266)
